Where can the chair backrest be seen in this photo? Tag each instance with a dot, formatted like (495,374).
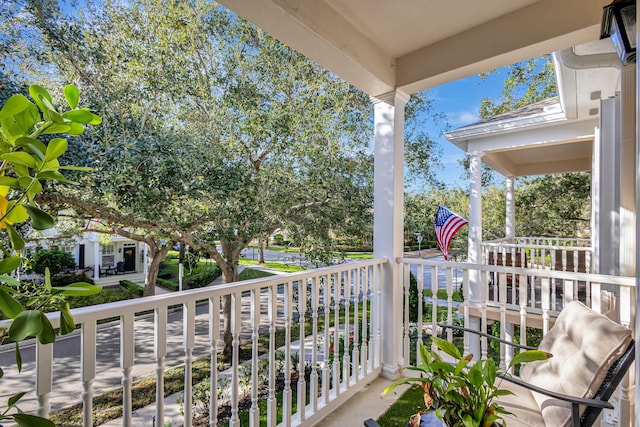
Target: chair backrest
(586,346)
(120,266)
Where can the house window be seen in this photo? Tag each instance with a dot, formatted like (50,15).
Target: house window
(108,255)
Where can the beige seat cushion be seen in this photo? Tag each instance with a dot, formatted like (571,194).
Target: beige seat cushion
(584,345)
(524,409)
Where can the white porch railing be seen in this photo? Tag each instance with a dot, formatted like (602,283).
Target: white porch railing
(339,305)
(532,298)
(562,254)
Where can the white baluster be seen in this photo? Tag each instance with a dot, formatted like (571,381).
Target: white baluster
(356,336)
(88,372)
(127,351)
(346,357)
(315,304)
(286,392)
(336,335)
(160,352)
(326,369)
(188,341)
(254,412)
(366,307)
(302,384)
(405,325)
(44,363)
(236,328)
(214,336)
(272,312)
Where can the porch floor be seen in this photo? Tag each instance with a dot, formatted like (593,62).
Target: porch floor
(368,403)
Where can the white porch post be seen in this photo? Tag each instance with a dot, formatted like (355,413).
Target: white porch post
(510,231)
(476,293)
(96,259)
(388,219)
(145,262)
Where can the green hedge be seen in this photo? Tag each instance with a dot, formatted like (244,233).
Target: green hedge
(134,288)
(165,274)
(65,279)
(167,284)
(203,278)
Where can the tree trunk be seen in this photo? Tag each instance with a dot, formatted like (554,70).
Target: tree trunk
(229,275)
(262,243)
(155,259)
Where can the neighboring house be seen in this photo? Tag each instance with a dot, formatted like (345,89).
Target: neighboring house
(99,255)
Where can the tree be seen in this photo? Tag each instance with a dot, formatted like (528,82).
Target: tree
(230,133)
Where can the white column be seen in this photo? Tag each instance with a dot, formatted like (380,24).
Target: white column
(476,293)
(510,231)
(605,190)
(388,219)
(145,261)
(97,259)
(627,175)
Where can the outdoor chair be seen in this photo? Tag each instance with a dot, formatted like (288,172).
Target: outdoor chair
(120,267)
(591,355)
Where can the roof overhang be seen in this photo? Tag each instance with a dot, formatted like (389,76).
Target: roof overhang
(380,46)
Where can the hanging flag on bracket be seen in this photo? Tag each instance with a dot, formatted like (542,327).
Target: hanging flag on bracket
(447,225)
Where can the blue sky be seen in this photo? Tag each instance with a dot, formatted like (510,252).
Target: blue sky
(460,102)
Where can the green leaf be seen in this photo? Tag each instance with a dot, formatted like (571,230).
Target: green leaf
(9,306)
(48,335)
(79,116)
(475,375)
(72,95)
(26,324)
(503,392)
(17,242)
(19,158)
(59,128)
(18,357)
(53,175)
(55,148)
(78,289)
(447,347)
(15,398)
(27,420)
(18,213)
(529,356)
(14,105)
(9,181)
(40,220)
(10,263)
(75,129)
(67,325)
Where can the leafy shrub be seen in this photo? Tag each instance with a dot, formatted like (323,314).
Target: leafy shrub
(110,294)
(204,277)
(168,284)
(278,239)
(134,288)
(65,279)
(55,261)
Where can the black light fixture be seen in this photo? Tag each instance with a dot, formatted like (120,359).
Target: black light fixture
(619,23)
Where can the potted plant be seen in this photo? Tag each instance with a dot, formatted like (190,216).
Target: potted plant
(462,396)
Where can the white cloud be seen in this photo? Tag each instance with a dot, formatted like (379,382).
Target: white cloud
(463,118)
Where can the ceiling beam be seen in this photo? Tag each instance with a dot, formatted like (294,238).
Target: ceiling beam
(537,29)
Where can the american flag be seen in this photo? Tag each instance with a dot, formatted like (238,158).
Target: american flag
(447,225)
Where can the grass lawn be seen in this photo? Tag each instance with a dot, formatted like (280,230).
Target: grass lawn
(410,402)
(274,265)
(251,273)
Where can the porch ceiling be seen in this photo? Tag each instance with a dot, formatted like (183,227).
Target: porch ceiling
(380,45)
(568,156)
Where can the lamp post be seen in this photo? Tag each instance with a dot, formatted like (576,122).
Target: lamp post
(419,238)
(619,23)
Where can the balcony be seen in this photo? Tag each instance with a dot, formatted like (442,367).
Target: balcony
(343,310)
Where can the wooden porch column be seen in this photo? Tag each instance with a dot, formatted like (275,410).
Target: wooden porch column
(388,221)
(476,293)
